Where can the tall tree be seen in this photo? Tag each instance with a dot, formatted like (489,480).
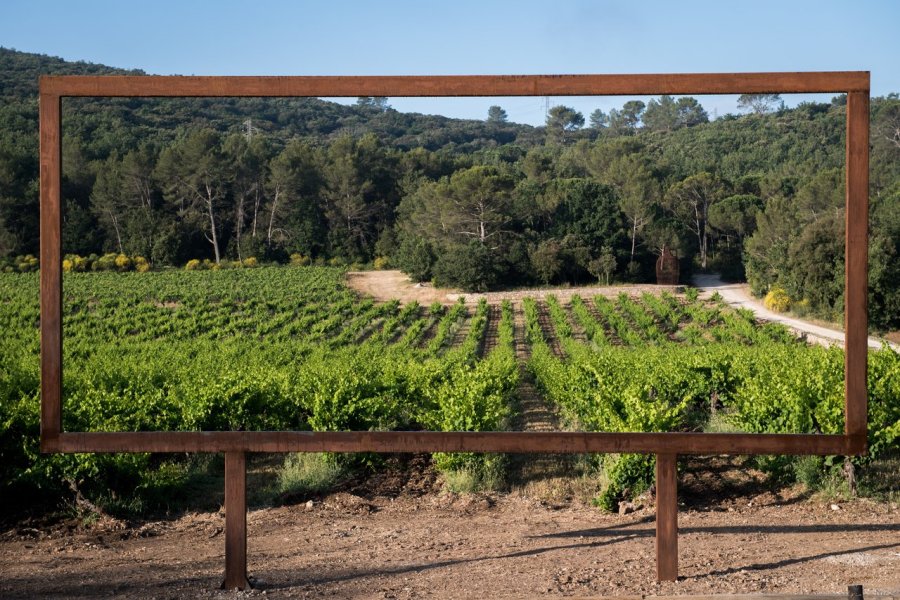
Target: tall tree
(561,121)
(599,119)
(638,193)
(632,112)
(626,120)
(360,194)
(690,112)
(473,204)
(379,103)
(496,115)
(689,201)
(108,201)
(247,158)
(294,186)
(661,115)
(195,178)
(143,199)
(759,104)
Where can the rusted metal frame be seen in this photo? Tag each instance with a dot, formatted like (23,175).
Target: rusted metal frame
(666,517)
(51,270)
(457,85)
(665,445)
(54,87)
(436,441)
(856,272)
(236,521)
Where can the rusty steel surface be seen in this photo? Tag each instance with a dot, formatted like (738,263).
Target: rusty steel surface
(235,521)
(667,446)
(455,85)
(51,270)
(856,271)
(519,442)
(666,517)
(53,88)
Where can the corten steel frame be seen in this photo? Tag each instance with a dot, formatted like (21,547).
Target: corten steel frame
(667,446)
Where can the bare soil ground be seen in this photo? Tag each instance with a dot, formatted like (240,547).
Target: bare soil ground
(388,285)
(438,545)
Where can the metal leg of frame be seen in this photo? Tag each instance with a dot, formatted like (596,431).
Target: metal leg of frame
(666,518)
(236,521)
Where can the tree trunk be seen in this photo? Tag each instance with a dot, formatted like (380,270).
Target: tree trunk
(115,222)
(214,240)
(633,237)
(239,226)
(703,247)
(271,218)
(256,213)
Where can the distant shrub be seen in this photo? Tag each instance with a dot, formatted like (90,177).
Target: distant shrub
(337,261)
(27,264)
(470,267)
(141,265)
(193,265)
(801,308)
(122,262)
(107,262)
(381,262)
(777,300)
(250,262)
(299,260)
(415,257)
(75,263)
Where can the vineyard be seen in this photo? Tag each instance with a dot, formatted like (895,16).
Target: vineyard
(293,348)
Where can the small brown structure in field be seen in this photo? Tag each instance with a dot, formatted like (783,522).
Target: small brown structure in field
(667,268)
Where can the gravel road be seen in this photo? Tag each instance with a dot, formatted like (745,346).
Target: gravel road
(737,295)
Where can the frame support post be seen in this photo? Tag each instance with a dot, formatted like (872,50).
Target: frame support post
(666,518)
(856,271)
(236,521)
(51,272)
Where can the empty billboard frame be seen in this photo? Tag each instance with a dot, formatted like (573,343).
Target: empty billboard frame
(666,445)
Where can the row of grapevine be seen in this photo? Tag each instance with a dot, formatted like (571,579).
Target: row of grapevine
(261,349)
(763,379)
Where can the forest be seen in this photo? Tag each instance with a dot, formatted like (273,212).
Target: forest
(756,195)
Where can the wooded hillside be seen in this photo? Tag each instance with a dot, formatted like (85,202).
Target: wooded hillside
(476,204)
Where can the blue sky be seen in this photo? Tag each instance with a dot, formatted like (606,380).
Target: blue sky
(468,37)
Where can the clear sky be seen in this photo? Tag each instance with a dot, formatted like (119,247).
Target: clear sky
(339,37)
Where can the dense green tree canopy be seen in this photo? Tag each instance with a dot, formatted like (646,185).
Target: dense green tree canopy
(476,203)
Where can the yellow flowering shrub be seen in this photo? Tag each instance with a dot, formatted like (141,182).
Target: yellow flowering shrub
(299,260)
(123,263)
(141,265)
(777,300)
(381,262)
